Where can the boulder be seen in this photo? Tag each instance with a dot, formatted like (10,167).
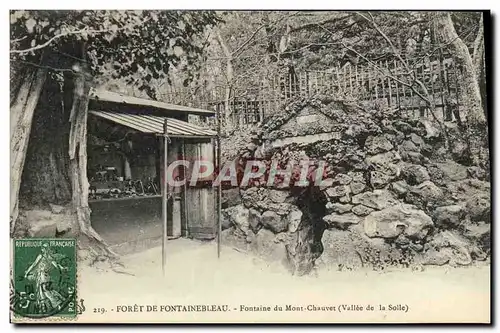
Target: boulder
(477,173)
(254,196)
(400,187)
(447,216)
(254,219)
(357,187)
(342,179)
(42,229)
(356,176)
(478,208)
(339,251)
(452,244)
(416,139)
(278,196)
(408,146)
(238,216)
(415,174)
(479,233)
(338,207)
(424,194)
(231,197)
(379,179)
(272,221)
(378,199)
(396,220)
(381,161)
(225,219)
(377,144)
(451,170)
(294,219)
(267,245)
(341,221)
(362,210)
(232,237)
(337,191)
(402,126)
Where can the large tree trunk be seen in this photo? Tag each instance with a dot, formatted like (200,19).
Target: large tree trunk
(21,113)
(88,237)
(471,114)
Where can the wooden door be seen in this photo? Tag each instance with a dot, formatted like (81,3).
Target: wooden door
(200,199)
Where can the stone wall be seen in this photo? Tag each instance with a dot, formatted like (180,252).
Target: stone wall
(397,199)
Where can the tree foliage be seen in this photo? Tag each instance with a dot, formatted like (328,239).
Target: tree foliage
(135,46)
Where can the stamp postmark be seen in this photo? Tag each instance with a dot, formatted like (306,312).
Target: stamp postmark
(44,281)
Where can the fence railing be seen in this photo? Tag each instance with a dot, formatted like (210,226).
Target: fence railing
(384,82)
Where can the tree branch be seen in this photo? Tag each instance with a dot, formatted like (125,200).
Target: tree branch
(394,48)
(74,32)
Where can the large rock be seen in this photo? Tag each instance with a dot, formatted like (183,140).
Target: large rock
(337,191)
(272,221)
(396,220)
(448,216)
(424,194)
(254,220)
(254,196)
(357,187)
(338,207)
(416,139)
(294,219)
(362,210)
(231,197)
(378,199)
(478,208)
(381,161)
(377,144)
(448,245)
(225,220)
(415,174)
(379,179)
(278,196)
(480,233)
(238,215)
(408,146)
(339,251)
(342,179)
(341,221)
(451,170)
(235,238)
(267,245)
(400,187)
(43,229)
(40,223)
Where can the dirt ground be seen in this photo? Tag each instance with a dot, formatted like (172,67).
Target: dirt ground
(195,276)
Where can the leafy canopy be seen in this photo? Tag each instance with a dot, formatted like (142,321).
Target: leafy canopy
(135,45)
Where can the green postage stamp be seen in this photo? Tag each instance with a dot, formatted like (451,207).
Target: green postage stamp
(44,279)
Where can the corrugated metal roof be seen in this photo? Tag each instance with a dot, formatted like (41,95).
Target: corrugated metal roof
(154,125)
(108,96)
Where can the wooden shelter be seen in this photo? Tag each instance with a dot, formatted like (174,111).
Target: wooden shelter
(126,150)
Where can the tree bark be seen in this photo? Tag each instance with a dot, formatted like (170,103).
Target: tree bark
(471,114)
(77,152)
(21,112)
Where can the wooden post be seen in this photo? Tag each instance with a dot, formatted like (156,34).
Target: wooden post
(219,190)
(165,198)
(184,219)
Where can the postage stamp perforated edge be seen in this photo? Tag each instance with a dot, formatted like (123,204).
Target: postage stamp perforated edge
(19,319)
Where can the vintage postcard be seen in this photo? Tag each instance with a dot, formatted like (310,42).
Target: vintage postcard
(250,166)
